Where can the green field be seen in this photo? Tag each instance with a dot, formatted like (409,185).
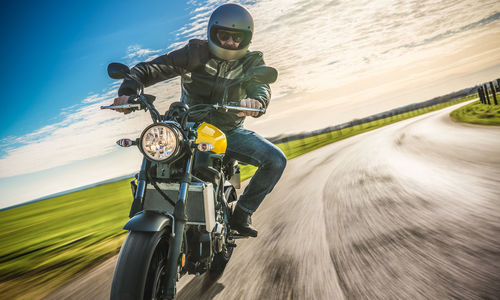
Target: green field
(47,243)
(477,113)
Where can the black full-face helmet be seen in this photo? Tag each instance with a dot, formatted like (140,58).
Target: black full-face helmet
(230,17)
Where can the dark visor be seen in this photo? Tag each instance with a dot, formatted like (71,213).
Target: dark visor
(218,33)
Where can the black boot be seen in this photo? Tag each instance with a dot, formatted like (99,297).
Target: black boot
(241,221)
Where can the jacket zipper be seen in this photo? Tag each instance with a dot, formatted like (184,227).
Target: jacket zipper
(219,80)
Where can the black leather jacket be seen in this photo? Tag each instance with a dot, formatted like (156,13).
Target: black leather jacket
(203,78)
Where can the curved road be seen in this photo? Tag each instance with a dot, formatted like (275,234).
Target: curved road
(408,211)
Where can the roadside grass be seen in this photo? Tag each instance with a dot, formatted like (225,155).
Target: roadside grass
(477,113)
(46,244)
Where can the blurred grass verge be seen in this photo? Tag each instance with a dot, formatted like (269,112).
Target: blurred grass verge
(477,113)
(48,243)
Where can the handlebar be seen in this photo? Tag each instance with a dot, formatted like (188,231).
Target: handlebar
(216,106)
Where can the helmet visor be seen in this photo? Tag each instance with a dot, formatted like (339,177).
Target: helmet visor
(229,38)
(226,36)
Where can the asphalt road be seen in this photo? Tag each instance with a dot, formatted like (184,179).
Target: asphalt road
(408,211)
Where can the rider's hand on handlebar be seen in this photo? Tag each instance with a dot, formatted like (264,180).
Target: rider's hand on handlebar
(252,103)
(120,101)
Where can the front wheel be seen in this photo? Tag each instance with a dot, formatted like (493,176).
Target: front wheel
(141,266)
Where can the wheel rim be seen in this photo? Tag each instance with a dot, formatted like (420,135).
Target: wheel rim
(158,281)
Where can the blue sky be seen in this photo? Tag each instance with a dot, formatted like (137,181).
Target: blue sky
(337,61)
(55,52)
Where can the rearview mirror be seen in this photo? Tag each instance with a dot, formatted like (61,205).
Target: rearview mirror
(118,71)
(263,74)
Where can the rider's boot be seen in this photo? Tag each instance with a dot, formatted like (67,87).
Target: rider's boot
(241,221)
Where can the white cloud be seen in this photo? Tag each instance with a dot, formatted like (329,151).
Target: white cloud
(198,28)
(99,97)
(176,45)
(136,52)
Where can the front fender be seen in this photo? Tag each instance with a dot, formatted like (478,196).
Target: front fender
(149,220)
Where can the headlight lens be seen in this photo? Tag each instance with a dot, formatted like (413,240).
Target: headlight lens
(160,142)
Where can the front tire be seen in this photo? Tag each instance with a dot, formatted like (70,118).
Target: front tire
(141,265)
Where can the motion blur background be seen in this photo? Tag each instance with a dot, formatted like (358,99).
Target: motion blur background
(337,60)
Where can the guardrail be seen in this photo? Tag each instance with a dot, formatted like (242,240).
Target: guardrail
(484,92)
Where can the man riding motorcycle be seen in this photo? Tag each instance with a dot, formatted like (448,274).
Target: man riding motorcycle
(204,67)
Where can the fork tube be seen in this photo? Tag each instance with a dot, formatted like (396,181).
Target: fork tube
(180,223)
(141,188)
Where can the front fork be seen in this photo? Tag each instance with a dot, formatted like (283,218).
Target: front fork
(175,244)
(140,189)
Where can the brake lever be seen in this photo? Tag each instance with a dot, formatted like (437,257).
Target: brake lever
(123,106)
(133,104)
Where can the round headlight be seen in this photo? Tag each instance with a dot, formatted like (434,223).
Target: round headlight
(160,142)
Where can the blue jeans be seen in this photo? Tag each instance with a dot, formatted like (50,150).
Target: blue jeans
(248,147)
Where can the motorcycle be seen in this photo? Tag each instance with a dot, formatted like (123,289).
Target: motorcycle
(182,195)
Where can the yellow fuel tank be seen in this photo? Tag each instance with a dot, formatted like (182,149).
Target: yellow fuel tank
(208,133)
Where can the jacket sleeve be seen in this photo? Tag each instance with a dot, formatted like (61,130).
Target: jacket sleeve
(164,67)
(259,91)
